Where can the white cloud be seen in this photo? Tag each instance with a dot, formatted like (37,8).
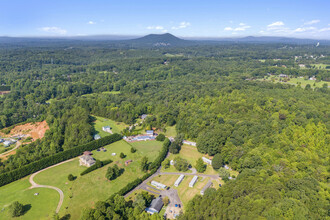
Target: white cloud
(304,29)
(275,24)
(325,29)
(155,27)
(164,31)
(182,25)
(228,29)
(311,22)
(54,30)
(91,22)
(242,27)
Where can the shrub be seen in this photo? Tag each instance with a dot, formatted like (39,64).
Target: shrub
(200,166)
(16,209)
(133,150)
(217,161)
(122,155)
(160,137)
(70,177)
(166,164)
(181,164)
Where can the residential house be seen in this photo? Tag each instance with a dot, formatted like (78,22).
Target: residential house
(193,181)
(155,206)
(208,185)
(283,76)
(144,116)
(7,143)
(158,185)
(206,160)
(312,78)
(97,136)
(86,160)
(179,180)
(107,129)
(150,132)
(189,143)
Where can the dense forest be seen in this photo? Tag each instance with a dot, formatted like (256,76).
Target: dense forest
(276,135)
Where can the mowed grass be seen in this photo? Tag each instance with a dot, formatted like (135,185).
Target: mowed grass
(41,206)
(86,190)
(100,122)
(185,192)
(191,154)
(295,81)
(170,131)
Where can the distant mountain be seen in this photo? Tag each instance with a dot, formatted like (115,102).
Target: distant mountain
(161,40)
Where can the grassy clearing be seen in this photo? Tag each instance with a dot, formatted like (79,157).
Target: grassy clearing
(191,154)
(92,187)
(170,131)
(116,127)
(42,206)
(295,81)
(320,66)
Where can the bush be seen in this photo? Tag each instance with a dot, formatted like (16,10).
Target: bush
(133,150)
(70,177)
(113,172)
(200,166)
(181,164)
(217,161)
(160,137)
(21,172)
(122,155)
(16,209)
(166,164)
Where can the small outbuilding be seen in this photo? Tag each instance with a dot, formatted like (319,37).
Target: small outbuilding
(193,181)
(150,132)
(206,160)
(179,180)
(208,185)
(97,136)
(158,185)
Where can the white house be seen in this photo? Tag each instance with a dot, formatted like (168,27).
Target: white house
(189,143)
(179,180)
(106,129)
(193,181)
(97,136)
(155,206)
(86,160)
(150,132)
(158,185)
(206,160)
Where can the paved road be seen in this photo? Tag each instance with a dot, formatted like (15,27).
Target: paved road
(18,143)
(36,185)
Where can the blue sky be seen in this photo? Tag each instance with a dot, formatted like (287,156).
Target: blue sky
(193,18)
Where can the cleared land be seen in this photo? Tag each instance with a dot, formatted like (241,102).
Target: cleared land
(170,131)
(296,81)
(92,187)
(191,154)
(100,122)
(35,130)
(40,206)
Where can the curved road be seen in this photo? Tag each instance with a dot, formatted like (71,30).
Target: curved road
(18,143)
(36,185)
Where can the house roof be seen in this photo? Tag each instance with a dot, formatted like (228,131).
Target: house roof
(88,153)
(150,131)
(88,159)
(157,204)
(106,127)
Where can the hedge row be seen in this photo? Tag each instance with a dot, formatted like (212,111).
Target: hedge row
(154,166)
(98,164)
(19,173)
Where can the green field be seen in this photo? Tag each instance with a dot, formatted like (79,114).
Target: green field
(92,187)
(170,131)
(320,66)
(296,81)
(191,154)
(41,206)
(99,122)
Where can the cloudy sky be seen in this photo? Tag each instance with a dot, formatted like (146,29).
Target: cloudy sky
(193,18)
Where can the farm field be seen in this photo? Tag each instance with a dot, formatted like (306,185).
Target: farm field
(83,190)
(296,81)
(99,122)
(41,206)
(191,154)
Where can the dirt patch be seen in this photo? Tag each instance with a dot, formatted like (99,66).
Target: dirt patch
(35,130)
(5,157)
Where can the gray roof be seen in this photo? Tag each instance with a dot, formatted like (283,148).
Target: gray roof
(157,204)
(208,185)
(88,159)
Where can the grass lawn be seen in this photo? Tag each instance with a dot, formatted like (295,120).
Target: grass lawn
(170,131)
(116,127)
(296,81)
(191,154)
(132,196)
(320,66)
(92,187)
(41,206)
